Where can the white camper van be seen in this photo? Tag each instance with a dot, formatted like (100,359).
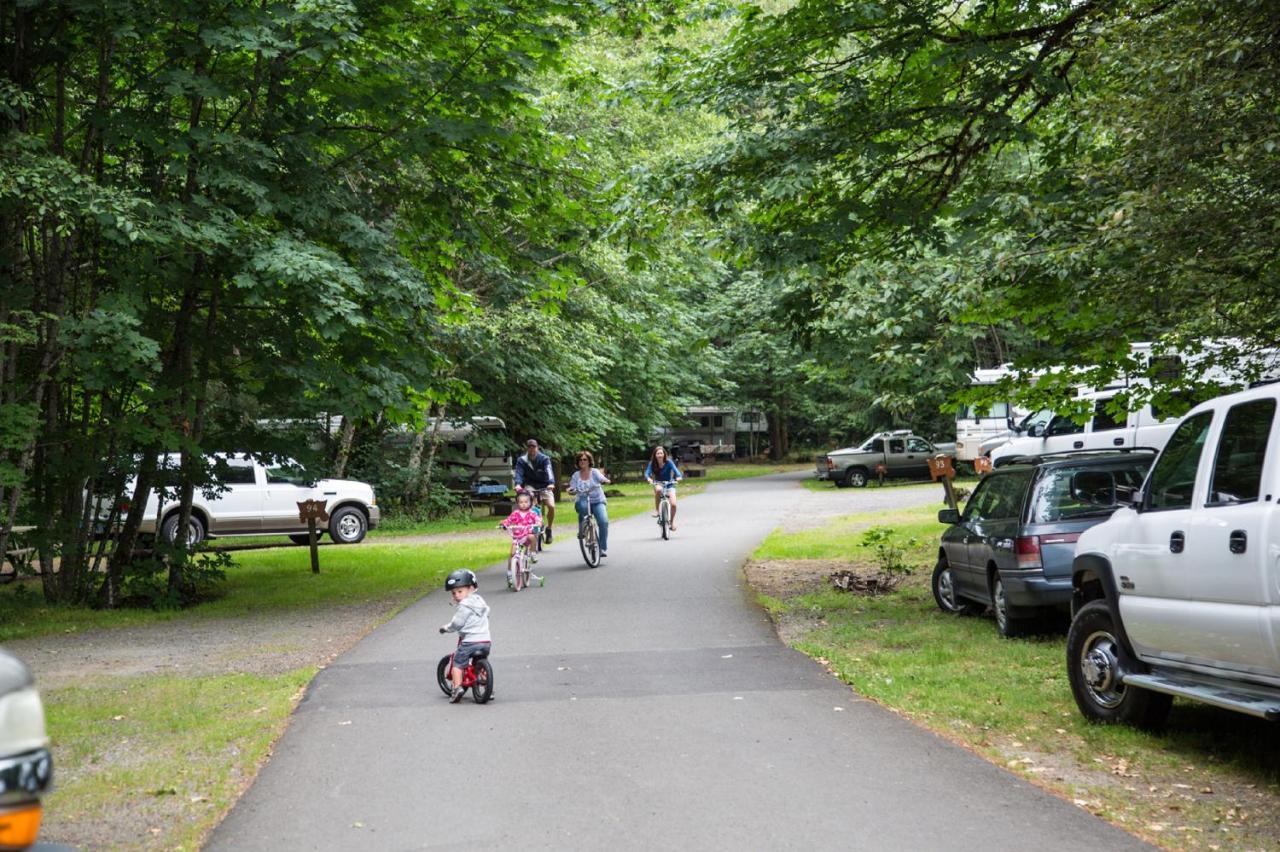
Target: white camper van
(1047,432)
(1056,433)
(976,426)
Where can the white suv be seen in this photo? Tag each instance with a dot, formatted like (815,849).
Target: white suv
(1179,594)
(256,499)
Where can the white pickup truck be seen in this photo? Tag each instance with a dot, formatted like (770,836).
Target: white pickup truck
(1046,432)
(1178,594)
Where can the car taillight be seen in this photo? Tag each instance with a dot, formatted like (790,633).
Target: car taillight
(122,507)
(1027,548)
(831,465)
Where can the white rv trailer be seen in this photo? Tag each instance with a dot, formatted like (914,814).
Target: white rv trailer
(977,426)
(1142,426)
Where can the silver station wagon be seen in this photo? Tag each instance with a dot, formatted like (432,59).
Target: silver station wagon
(1011,548)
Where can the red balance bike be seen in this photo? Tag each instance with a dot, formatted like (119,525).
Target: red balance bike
(477,676)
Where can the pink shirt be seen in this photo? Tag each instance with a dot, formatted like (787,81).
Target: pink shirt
(521,524)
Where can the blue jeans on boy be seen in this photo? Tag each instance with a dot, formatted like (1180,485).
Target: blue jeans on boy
(602,518)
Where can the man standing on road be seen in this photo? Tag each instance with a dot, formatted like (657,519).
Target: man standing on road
(533,472)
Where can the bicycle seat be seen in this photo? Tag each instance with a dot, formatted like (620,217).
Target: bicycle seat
(481,655)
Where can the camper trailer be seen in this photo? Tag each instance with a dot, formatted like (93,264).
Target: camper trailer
(1144,425)
(709,431)
(473,455)
(977,426)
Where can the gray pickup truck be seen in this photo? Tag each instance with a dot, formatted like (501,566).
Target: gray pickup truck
(902,454)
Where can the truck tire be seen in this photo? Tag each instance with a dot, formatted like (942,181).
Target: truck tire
(855,477)
(1093,668)
(839,479)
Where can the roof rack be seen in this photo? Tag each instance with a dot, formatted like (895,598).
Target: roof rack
(1040,458)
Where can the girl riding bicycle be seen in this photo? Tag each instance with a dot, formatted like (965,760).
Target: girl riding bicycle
(662,474)
(523,525)
(585,483)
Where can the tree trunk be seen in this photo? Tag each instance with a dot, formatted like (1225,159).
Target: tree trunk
(433,448)
(775,434)
(345,438)
(193,464)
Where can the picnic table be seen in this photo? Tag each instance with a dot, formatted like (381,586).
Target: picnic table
(19,556)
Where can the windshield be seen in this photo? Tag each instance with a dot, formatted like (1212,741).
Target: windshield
(1053,500)
(1041,417)
(997,411)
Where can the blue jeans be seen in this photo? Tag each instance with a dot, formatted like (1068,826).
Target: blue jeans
(602,518)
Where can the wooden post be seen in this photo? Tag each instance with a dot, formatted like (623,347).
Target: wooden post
(312,511)
(313,545)
(940,468)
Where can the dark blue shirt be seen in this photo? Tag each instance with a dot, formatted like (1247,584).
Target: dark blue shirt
(537,474)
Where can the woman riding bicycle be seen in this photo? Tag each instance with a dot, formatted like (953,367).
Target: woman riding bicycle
(585,483)
(662,474)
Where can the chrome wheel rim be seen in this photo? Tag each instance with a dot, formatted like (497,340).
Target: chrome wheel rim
(349,526)
(193,534)
(1100,669)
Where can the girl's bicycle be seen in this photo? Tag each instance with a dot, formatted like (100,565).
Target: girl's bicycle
(477,676)
(519,567)
(589,540)
(664,508)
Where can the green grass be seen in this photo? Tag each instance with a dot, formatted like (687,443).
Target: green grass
(265,580)
(966,482)
(1011,701)
(842,537)
(169,754)
(724,471)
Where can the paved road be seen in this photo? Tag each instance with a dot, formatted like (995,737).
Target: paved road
(645,704)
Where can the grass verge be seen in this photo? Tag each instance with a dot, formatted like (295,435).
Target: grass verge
(815,484)
(154,762)
(277,579)
(1211,780)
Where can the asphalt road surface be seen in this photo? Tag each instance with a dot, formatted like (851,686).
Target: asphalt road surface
(645,704)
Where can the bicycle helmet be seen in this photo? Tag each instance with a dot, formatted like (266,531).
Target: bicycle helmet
(459,578)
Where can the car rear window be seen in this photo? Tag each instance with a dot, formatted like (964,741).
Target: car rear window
(1053,500)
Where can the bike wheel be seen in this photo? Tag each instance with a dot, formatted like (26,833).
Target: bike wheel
(664,518)
(520,573)
(590,544)
(482,691)
(442,675)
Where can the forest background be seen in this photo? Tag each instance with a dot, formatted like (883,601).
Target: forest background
(223,223)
